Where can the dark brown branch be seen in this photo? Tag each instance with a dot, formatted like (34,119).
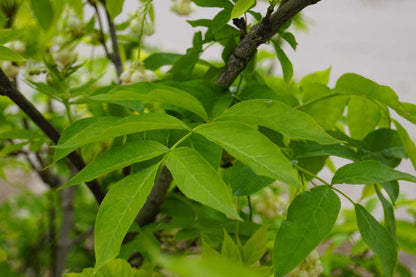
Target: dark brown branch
(257,35)
(155,199)
(7,89)
(101,32)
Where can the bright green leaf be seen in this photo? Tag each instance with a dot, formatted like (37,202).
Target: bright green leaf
(252,148)
(368,172)
(406,236)
(198,180)
(320,77)
(286,64)
(9,55)
(7,35)
(144,91)
(377,238)
(207,267)
(117,267)
(240,7)
(230,249)
(353,84)
(256,246)
(407,142)
(118,211)
(118,157)
(20,134)
(95,129)
(114,7)
(325,110)
(363,116)
(310,218)
(280,117)
(44,12)
(86,272)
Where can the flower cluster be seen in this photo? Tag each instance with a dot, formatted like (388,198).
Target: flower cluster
(73,25)
(182,7)
(268,203)
(310,267)
(137,73)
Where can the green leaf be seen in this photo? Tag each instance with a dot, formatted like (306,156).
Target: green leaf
(117,267)
(290,38)
(368,172)
(377,238)
(153,92)
(230,249)
(325,110)
(213,3)
(392,188)
(320,77)
(286,64)
(363,116)
(198,180)
(207,267)
(389,219)
(256,246)
(7,35)
(279,117)
(95,129)
(114,7)
(86,272)
(44,12)
(20,134)
(118,211)
(312,149)
(310,218)
(240,7)
(156,60)
(244,181)
(118,157)
(221,19)
(9,55)
(407,142)
(406,236)
(353,84)
(252,148)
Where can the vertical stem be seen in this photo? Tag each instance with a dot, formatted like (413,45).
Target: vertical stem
(116,50)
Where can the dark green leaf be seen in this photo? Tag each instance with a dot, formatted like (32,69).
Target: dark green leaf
(280,117)
(392,188)
(377,238)
(221,19)
(290,38)
(313,149)
(389,219)
(244,181)
(213,3)
(198,180)
(156,60)
(252,148)
(368,172)
(118,157)
(44,12)
(286,64)
(118,211)
(310,218)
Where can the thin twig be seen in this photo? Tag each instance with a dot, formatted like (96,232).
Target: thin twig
(101,30)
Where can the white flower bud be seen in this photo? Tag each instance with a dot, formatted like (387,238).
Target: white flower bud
(183,8)
(9,69)
(17,46)
(303,273)
(135,25)
(64,56)
(150,76)
(137,77)
(125,77)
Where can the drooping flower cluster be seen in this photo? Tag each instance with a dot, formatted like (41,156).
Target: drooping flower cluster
(137,73)
(182,7)
(268,203)
(10,69)
(310,267)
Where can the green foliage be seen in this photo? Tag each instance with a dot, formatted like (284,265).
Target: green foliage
(225,178)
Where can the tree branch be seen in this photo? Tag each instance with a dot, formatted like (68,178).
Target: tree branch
(116,50)
(7,89)
(257,35)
